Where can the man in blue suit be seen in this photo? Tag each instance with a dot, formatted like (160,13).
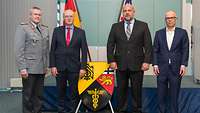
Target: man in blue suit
(67,43)
(171,51)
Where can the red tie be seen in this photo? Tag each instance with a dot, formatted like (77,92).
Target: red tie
(68,36)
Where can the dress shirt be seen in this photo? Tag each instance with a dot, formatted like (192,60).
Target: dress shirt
(170,37)
(71,30)
(131,24)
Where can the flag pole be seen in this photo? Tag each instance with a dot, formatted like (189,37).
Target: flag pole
(120,10)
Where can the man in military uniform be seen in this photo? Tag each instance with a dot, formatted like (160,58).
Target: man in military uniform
(31,52)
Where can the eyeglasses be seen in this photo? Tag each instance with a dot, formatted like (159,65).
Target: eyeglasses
(68,16)
(167,18)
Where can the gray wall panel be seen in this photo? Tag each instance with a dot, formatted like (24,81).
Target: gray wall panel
(12,13)
(196,39)
(15,11)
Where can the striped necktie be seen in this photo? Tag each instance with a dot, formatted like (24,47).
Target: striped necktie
(128,30)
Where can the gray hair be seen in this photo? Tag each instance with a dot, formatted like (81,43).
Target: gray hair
(34,7)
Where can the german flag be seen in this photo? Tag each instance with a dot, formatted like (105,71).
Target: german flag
(71,4)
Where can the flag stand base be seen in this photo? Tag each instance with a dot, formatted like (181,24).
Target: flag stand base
(79,104)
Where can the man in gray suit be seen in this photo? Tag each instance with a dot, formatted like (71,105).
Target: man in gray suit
(31,52)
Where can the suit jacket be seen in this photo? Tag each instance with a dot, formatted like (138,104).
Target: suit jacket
(129,53)
(178,53)
(32,48)
(63,57)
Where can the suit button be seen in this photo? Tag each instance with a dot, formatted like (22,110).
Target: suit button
(128,52)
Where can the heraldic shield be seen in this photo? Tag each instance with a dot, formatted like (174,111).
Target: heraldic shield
(96,86)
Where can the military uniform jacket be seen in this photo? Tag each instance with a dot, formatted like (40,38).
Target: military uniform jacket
(32,48)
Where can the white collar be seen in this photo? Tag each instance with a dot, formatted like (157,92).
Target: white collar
(173,29)
(131,22)
(35,25)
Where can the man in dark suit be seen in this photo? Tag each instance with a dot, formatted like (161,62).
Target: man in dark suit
(65,63)
(129,49)
(171,51)
(31,53)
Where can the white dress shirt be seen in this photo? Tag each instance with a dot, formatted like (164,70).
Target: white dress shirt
(131,24)
(170,37)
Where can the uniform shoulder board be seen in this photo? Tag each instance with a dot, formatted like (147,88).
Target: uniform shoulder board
(23,23)
(44,25)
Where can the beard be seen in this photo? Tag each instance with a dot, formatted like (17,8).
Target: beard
(128,18)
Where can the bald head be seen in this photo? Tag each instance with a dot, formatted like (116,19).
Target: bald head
(68,12)
(170,14)
(128,12)
(68,17)
(170,19)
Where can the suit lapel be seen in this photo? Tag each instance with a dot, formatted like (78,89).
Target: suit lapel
(38,32)
(165,38)
(135,25)
(74,35)
(35,30)
(174,38)
(63,35)
(123,30)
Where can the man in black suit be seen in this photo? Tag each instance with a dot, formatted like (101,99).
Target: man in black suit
(65,63)
(129,50)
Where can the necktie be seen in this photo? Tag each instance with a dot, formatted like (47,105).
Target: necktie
(38,29)
(128,30)
(68,36)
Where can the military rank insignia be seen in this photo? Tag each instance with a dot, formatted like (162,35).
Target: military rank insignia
(96,86)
